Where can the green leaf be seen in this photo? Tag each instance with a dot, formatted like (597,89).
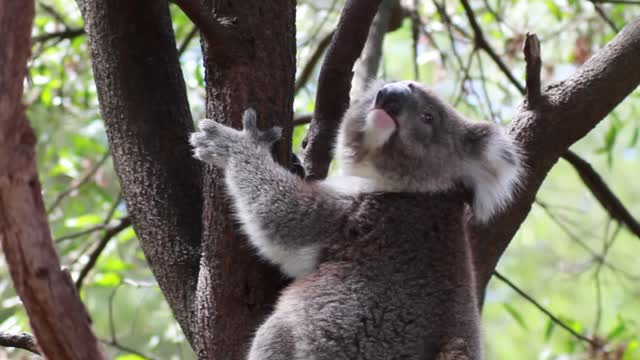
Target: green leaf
(634,138)
(555,10)
(83,221)
(114,264)
(516,315)
(108,279)
(129,357)
(548,330)
(618,330)
(631,353)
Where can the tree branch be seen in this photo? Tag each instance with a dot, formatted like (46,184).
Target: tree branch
(161,181)
(571,109)
(22,341)
(109,234)
(222,38)
(532,57)
(75,185)
(482,43)
(24,232)
(602,193)
(305,74)
(533,98)
(59,35)
(334,83)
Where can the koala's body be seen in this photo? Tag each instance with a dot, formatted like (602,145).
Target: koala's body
(379,252)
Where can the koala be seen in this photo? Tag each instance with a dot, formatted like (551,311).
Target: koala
(378,252)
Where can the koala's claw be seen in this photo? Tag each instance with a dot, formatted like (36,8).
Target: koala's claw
(267,137)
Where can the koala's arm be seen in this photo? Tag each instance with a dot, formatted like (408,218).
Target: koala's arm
(285,217)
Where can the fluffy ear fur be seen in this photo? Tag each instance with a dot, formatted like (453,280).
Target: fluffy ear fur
(493,170)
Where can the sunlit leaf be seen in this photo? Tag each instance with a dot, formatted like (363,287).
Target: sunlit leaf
(516,315)
(109,279)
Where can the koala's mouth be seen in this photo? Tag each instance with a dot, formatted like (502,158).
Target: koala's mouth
(381,119)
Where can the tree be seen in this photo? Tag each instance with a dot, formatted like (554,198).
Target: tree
(215,286)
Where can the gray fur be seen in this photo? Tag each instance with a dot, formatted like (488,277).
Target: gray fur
(379,251)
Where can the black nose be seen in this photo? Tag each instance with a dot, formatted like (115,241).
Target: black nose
(392,98)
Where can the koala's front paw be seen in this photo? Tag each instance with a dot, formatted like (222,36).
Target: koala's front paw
(214,142)
(218,144)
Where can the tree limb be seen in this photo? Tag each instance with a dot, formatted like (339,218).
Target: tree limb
(22,341)
(334,83)
(24,232)
(533,98)
(144,105)
(222,38)
(570,109)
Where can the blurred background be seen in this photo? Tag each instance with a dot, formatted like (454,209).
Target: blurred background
(570,257)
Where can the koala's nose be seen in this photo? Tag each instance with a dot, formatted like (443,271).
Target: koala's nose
(392,98)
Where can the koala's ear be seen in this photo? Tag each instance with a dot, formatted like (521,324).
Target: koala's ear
(493,169)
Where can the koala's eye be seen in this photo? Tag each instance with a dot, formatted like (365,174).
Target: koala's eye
(426,118)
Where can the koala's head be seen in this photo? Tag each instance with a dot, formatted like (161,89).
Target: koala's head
(403,137)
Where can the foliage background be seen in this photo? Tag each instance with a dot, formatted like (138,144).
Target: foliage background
(568,255)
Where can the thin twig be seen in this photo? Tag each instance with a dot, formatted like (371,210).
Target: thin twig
(482,43)
(21,340)
(483,81)
(59,35)
(79,233)
(95,254)
(315,57)
(53,12)
(125,348)
(630,2)
(187,40)
(604,16)
(302,119)
(77,184)
(415,38)
(553,318)
(602,193)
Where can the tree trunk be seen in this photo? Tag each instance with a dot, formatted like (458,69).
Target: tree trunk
(235,289)
(144,106)
(56,315)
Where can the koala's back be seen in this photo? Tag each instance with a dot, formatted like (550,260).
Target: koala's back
(385,288)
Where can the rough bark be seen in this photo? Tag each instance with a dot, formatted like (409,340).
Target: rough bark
(235,289)
(56,314)
(565,113)
(144,105)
